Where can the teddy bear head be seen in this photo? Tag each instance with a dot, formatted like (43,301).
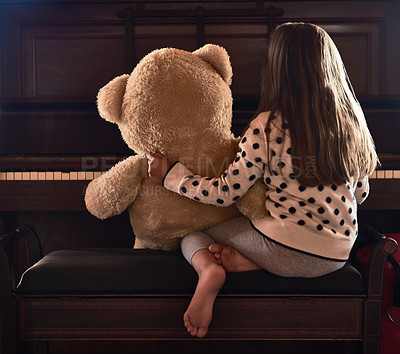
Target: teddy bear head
(171,99)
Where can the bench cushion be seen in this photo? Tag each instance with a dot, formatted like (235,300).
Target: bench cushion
(146,272)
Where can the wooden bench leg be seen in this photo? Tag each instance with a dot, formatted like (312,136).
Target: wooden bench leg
(371,346)
(352,347)
(7,326)
(8,347)
(34,347)
(372,324)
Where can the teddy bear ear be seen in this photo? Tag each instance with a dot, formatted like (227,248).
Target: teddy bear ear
(109,98)
(218,58)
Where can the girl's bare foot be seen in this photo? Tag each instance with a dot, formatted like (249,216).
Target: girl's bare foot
(198,315)
(231,259)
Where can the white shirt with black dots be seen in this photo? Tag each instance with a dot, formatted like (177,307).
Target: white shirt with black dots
(319,220)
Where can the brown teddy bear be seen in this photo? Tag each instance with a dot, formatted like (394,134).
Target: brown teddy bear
(177,103)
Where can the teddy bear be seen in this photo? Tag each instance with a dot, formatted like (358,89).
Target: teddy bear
(178,103)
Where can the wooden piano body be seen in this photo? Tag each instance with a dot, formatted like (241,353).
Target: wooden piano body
(56,55)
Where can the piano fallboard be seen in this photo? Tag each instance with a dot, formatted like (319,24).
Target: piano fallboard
(384,195)
(42,195)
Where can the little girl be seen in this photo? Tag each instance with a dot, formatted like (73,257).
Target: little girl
(310,144)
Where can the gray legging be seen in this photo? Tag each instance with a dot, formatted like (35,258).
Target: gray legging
(239,234)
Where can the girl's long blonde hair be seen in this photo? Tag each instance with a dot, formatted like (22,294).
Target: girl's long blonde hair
(305,81)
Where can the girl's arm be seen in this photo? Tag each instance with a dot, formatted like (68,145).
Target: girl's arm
(362,190)
(240,175)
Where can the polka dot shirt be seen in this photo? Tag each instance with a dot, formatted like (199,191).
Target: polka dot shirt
(319,220)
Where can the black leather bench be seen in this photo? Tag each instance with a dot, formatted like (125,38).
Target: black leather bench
(128,294)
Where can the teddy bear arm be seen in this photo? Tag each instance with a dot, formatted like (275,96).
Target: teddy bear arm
(112,192)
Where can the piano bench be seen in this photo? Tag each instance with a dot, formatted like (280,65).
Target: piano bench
(139,295)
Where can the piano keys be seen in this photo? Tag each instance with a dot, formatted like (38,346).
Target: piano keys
(89,167)
(49,175)
(48,183)
(26,187)
(90,175)
(385,174)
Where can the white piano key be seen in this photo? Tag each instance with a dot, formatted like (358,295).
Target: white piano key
(3,176)
(42,176)
(89,175)
(17,176)
(57,175)
(73,176)
(65,176)
(10,176)
(34,175)
(49,175)
(380,174)
(388,174)
(26,176)
(96,174)
(373,175)
(396,174)
(81,176)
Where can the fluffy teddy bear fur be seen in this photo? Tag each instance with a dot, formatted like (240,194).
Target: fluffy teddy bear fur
(178,103)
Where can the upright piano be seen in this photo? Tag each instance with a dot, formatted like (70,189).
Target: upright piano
(56,55)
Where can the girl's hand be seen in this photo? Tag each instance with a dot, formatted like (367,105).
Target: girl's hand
(158,166)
